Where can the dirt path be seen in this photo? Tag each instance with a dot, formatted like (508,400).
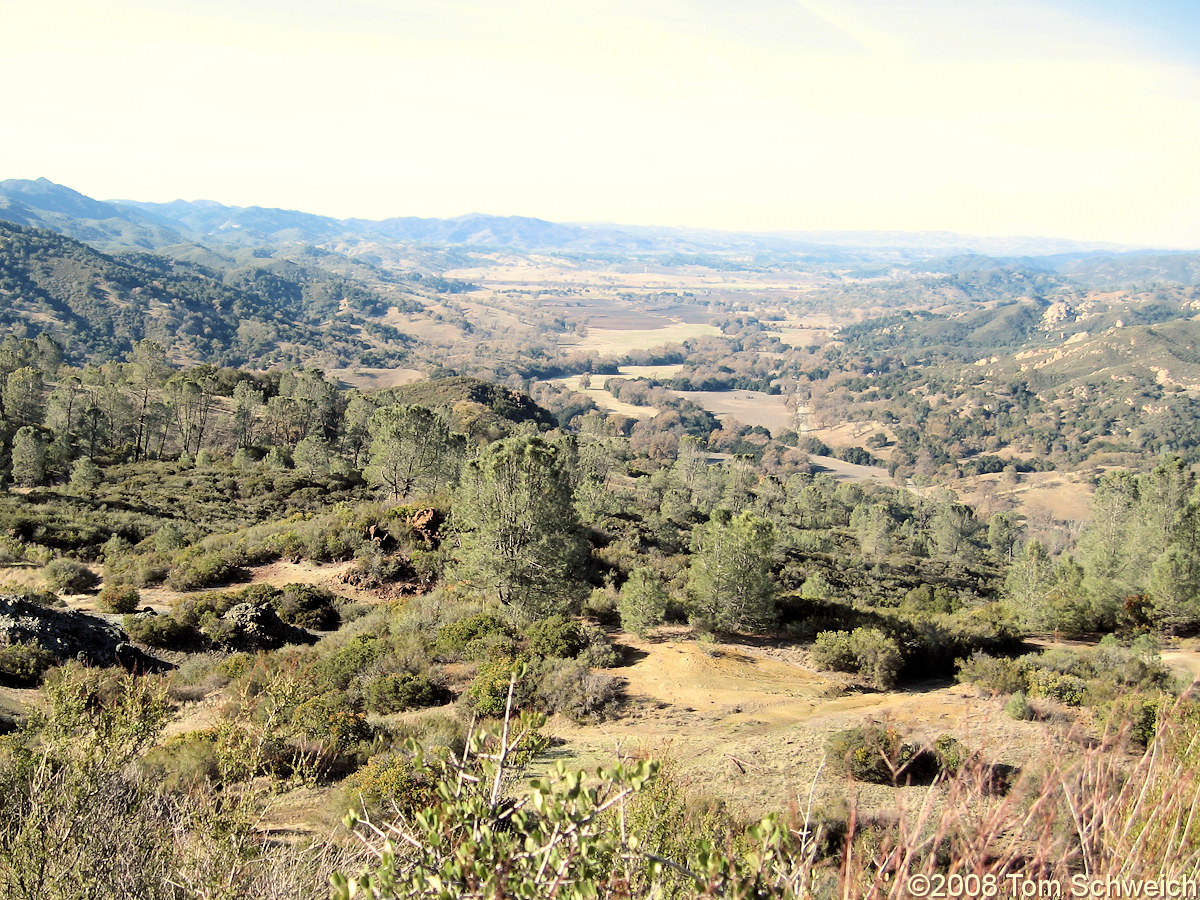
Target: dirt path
(1184,661)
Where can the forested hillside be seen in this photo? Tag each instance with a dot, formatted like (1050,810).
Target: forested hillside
(98,306)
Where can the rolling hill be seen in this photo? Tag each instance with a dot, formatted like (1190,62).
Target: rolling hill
(147,225)
(98,305)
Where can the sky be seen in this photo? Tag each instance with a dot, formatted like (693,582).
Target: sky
(1061,118)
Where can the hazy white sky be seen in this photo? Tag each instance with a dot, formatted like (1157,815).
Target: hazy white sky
(1077,118)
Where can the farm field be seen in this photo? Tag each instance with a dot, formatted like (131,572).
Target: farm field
(618,341)
(370,379)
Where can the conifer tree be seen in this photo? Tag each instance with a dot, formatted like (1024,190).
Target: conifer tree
(28,457)
(730,576)
(412,451)
(518,533)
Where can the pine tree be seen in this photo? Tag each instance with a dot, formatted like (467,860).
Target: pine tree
(1174,587)
(518,533)
(23,396)
(28,457)
(730,576)
(412,450)
(642,602)
(311,457)
(85,475)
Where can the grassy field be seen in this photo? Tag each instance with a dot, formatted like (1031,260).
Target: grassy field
(844,471)
(605,400)
(748,407)
(748,724)
(375,379)
(1063,496)
(618,341)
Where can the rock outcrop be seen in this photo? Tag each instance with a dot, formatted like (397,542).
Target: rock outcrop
(69,635)
(256,626)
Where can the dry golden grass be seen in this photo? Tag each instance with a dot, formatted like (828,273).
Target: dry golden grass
(605,400)
(749,407)
(366,379)
(1063,496)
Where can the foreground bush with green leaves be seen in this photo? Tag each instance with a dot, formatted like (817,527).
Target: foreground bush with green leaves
(569,835)
(80,821)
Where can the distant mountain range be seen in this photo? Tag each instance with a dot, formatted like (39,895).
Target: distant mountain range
(129,224)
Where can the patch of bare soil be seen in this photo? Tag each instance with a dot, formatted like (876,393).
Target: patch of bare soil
(299,815)
(199,715)
(750,724)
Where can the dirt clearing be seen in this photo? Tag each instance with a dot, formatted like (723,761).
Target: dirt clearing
(750,724)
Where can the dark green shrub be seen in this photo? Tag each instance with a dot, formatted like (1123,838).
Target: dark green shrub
(1068,689)
(556,637)
(139,569)
(1139,713)
(831,650)
(878,656)
(494,645)
(642,602)
(48,599)
(235,665)
(929,599)
(333,718)
(399,691)
(337,670)
(991,674)
(452,639)
(193,570)
(70,576)
(170,537)
(23,665)
(204,609)
(161,631)
(308,606)
(11,550)
(865,651)
(257,593)
(601,605)
(1018,708)
(487,695)
(572,689)
(950,753)
(119,598)
(388,783)
(598,653)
